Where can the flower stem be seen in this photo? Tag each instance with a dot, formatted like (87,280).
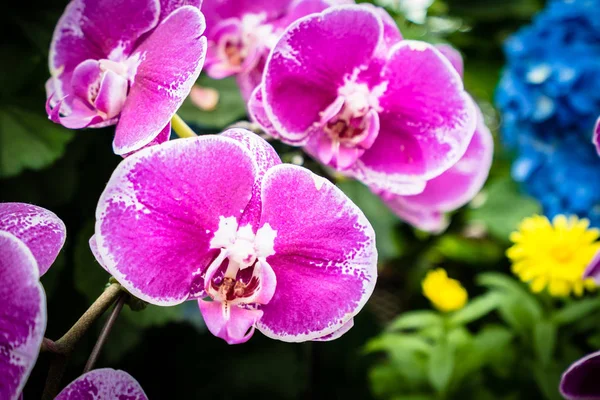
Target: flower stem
(64,346)
(181,128)
(105,332)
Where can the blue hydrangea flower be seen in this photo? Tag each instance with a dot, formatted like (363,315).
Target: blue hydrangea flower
(549,99)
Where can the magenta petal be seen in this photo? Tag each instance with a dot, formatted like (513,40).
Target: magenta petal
(216,11)
(112,94)
(453,56)
(325,258)
(162,137)
(337,334)
(97,29)
(22,314)
(168,6)
(41,230)
(161,208)
(265,157)
(258,114)
(103,384)
(451,190)
(596,137)
(85,77)
(428,119)
(310,62)
(580,380)
(80,116)
(236,327)
(170,61)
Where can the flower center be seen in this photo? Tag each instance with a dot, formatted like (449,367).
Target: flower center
(242,49)
(240,273)
(350,123)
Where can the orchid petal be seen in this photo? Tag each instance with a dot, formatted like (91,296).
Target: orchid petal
(231,323)
(325,258)
(170,60)
(103,384)
(22,314)
(41,230)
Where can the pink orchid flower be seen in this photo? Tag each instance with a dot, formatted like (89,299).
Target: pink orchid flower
(241,33)
(257,243)
(126,63)
(389,112)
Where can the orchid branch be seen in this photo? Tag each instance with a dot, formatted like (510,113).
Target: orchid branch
(64,346)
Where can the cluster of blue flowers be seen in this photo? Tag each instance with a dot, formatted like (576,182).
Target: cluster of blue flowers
(549,100)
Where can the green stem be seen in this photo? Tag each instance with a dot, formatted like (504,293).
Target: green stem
(64,346)
(181,128)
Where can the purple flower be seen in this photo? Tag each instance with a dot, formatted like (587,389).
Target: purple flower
(103,384)
(241,33)
(596,136)
(126,63)
(593,269)
(390,112)
(258,243)
(30,239)
(580,380)
(455,187)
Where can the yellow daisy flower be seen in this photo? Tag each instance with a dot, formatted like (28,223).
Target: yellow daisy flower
(445,294)
(554,255)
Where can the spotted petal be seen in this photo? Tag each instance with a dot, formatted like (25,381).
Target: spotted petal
(580,380)
(309,63)
(22,314)
(41,230)
(451,190)
(160,209)
(325,258)
(103,384)
(96,29)
(427,121)
(170,60)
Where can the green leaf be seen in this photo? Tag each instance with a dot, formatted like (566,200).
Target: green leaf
(504,207)
(230,108)
(29,140)
(475,309)
(441,365)
(575,311)
(402,343)
(526,301)
(471,251)
(415,320)
(547,379)
(544,341)
(382,219)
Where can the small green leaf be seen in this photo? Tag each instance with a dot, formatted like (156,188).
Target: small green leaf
(415,320)
(471,251)
(398,342)
(547,379)
(441,365)
(230,108)
(476,308)
(29,140)
(503,209)
(382,219)
(544,341)
(575,311)
(517,293)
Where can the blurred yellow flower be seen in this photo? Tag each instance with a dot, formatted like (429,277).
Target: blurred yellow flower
(445,294)
(554,255)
